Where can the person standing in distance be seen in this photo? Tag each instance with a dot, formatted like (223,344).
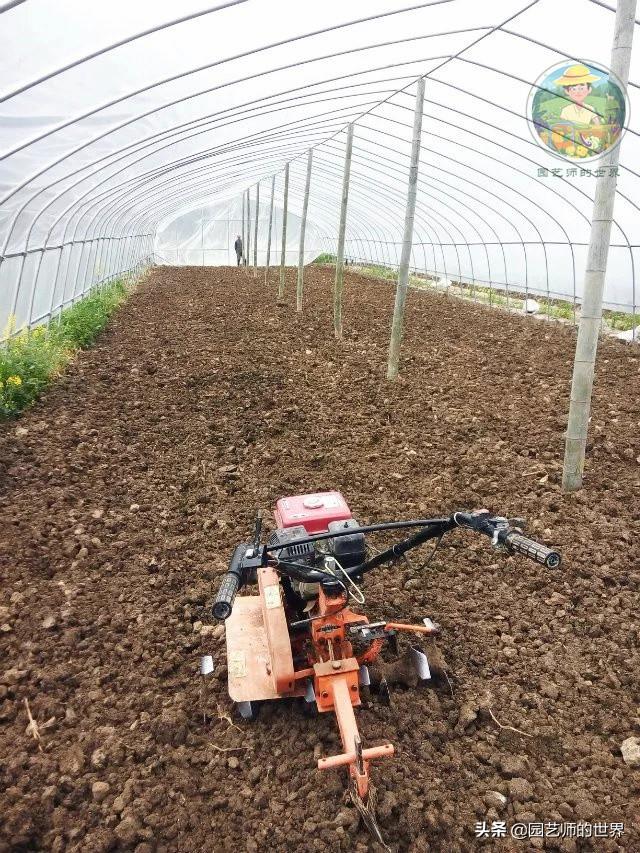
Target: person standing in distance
(238,247)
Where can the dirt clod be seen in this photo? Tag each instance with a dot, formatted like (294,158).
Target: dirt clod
(127,830)
(99,791)
(520,789)
(630,749)
(495,800)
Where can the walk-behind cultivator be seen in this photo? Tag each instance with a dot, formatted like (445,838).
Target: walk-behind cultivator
(299,638)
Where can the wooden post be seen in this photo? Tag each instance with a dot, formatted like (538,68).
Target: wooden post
(255,233)
(303,227)
(405,257)
(248,229)
(283,251)
(266,268)
(242,233)
(591,314)
(339,282)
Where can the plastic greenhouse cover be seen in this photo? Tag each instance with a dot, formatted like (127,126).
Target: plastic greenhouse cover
(131,131)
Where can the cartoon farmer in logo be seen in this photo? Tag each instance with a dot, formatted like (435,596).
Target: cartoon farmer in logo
(576,82)
(580,113)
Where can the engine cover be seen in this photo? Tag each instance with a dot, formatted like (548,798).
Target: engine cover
(287,537)
(315,511)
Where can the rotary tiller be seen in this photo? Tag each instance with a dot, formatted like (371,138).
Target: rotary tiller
(299,638)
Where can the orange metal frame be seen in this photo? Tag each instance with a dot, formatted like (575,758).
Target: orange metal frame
(335,676)
(333,666)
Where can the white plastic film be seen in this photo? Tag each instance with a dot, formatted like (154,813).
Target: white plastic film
(139,118)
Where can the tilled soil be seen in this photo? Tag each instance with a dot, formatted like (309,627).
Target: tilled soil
(124,490)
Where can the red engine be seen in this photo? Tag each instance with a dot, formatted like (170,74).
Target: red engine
(314,512)
(301,516)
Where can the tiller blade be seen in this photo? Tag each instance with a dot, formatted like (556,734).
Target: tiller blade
(367,811)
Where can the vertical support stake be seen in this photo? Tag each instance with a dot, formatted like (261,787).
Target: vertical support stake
(255,235)
(248,256)
(591,315)
(303,228)
(242,234)
(405,257)
(266,268)
(339,282)
(283,251)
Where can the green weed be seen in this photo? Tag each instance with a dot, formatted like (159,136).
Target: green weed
(620,320)
(31,359)
(559,309)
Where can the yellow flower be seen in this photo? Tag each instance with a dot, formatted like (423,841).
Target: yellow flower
(14,380)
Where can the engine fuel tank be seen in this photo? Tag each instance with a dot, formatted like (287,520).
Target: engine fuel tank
(314,511)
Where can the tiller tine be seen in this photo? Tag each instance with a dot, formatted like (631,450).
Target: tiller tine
(384,694)
(420,663)
(364,678)
(367,811)
(366,806)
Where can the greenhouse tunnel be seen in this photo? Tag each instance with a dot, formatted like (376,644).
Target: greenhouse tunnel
(427,343)
(115,133)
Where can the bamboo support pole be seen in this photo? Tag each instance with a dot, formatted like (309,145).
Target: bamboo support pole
(339,281)
(405,258)
(303,228)
(591,314)
(266,268)
(283,251)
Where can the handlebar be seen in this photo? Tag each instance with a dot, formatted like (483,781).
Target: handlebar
(520,544)
(512,539)
(245,558)
(231,582)
(223,605)
(503,534)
